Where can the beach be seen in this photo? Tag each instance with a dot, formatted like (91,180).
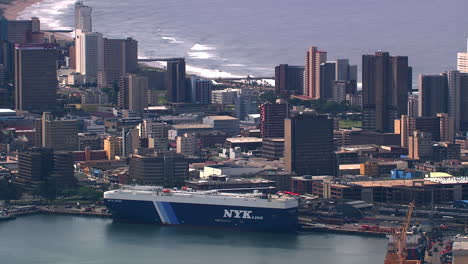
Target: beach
(12,10)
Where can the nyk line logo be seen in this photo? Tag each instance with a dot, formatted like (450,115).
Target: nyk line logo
(243,214)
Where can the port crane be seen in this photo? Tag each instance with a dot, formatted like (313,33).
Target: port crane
(398,254)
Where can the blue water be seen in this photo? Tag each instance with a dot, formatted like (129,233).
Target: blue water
(78,240)
(223,38)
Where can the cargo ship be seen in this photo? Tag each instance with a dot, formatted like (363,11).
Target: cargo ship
(213,209)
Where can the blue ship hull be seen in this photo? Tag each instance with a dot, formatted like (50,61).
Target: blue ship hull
(204,215)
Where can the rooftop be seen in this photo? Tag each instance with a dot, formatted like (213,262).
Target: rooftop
(189,126)
(222,117)
(244,140)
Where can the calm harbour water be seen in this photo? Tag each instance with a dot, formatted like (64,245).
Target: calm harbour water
(227,37)
(80,240)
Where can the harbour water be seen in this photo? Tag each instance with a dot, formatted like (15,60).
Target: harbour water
(78,240)
(232,38)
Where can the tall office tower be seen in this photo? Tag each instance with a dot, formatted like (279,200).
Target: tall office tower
(327,76)
(289,79)
(133,91)
(308,145)
(464,102)
(83,19)
(63,173)
(447,127)
(433,94)
(166,169)
(34,167)
(413,105)
(339,91)
(175,81)
(130,141)
(428,124)
(314,58)
(272,119)
(19,31)
(137,92)
(72,57)
(246,103)
(420,146)
(114,62)
(113,147)
(342,70)
(131,55)
(462,61)
(35,77)
(187,144)
(457,95)
(153,129)
(60,135)
(200,92)
(384,89)
(89,50)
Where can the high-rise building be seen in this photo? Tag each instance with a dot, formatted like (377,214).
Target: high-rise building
(314,58)
(428,124)
(131,55)
(342,70)
(339,91)
(433,94)
(308,145)
(19,31)
(63,172)
(130,141)
(385,90)
(133,92)
(113,147)
(272,117)
(120,57)
(35,77)
(200,92)
(462,61)
(89,54)
(166,169)
(175,81)
(413,105)
(420,145)
(327,76)
(83,19)
(289,79)
(153,129)
(137,93)
(187,144)
(246,103)
(447,127)
(59,135)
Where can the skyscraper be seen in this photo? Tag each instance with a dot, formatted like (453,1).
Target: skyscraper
(114,62)
(327,76)
(462,61)
(433,94)
(59,135)
(246,103)
(166,169)
(308,145)
(289,79)
(133,90)
(175,81)
(272,117)
(342,70)
(453,102)
(83,20)
(89,54)
(420,145)
(200,92)
(314,58)
(35,77)
(385,90)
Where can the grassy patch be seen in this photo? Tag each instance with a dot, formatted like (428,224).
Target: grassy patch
(347,124)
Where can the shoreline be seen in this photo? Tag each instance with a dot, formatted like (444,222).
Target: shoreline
(12,10)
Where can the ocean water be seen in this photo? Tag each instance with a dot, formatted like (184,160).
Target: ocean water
(222,38)
(47,239)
